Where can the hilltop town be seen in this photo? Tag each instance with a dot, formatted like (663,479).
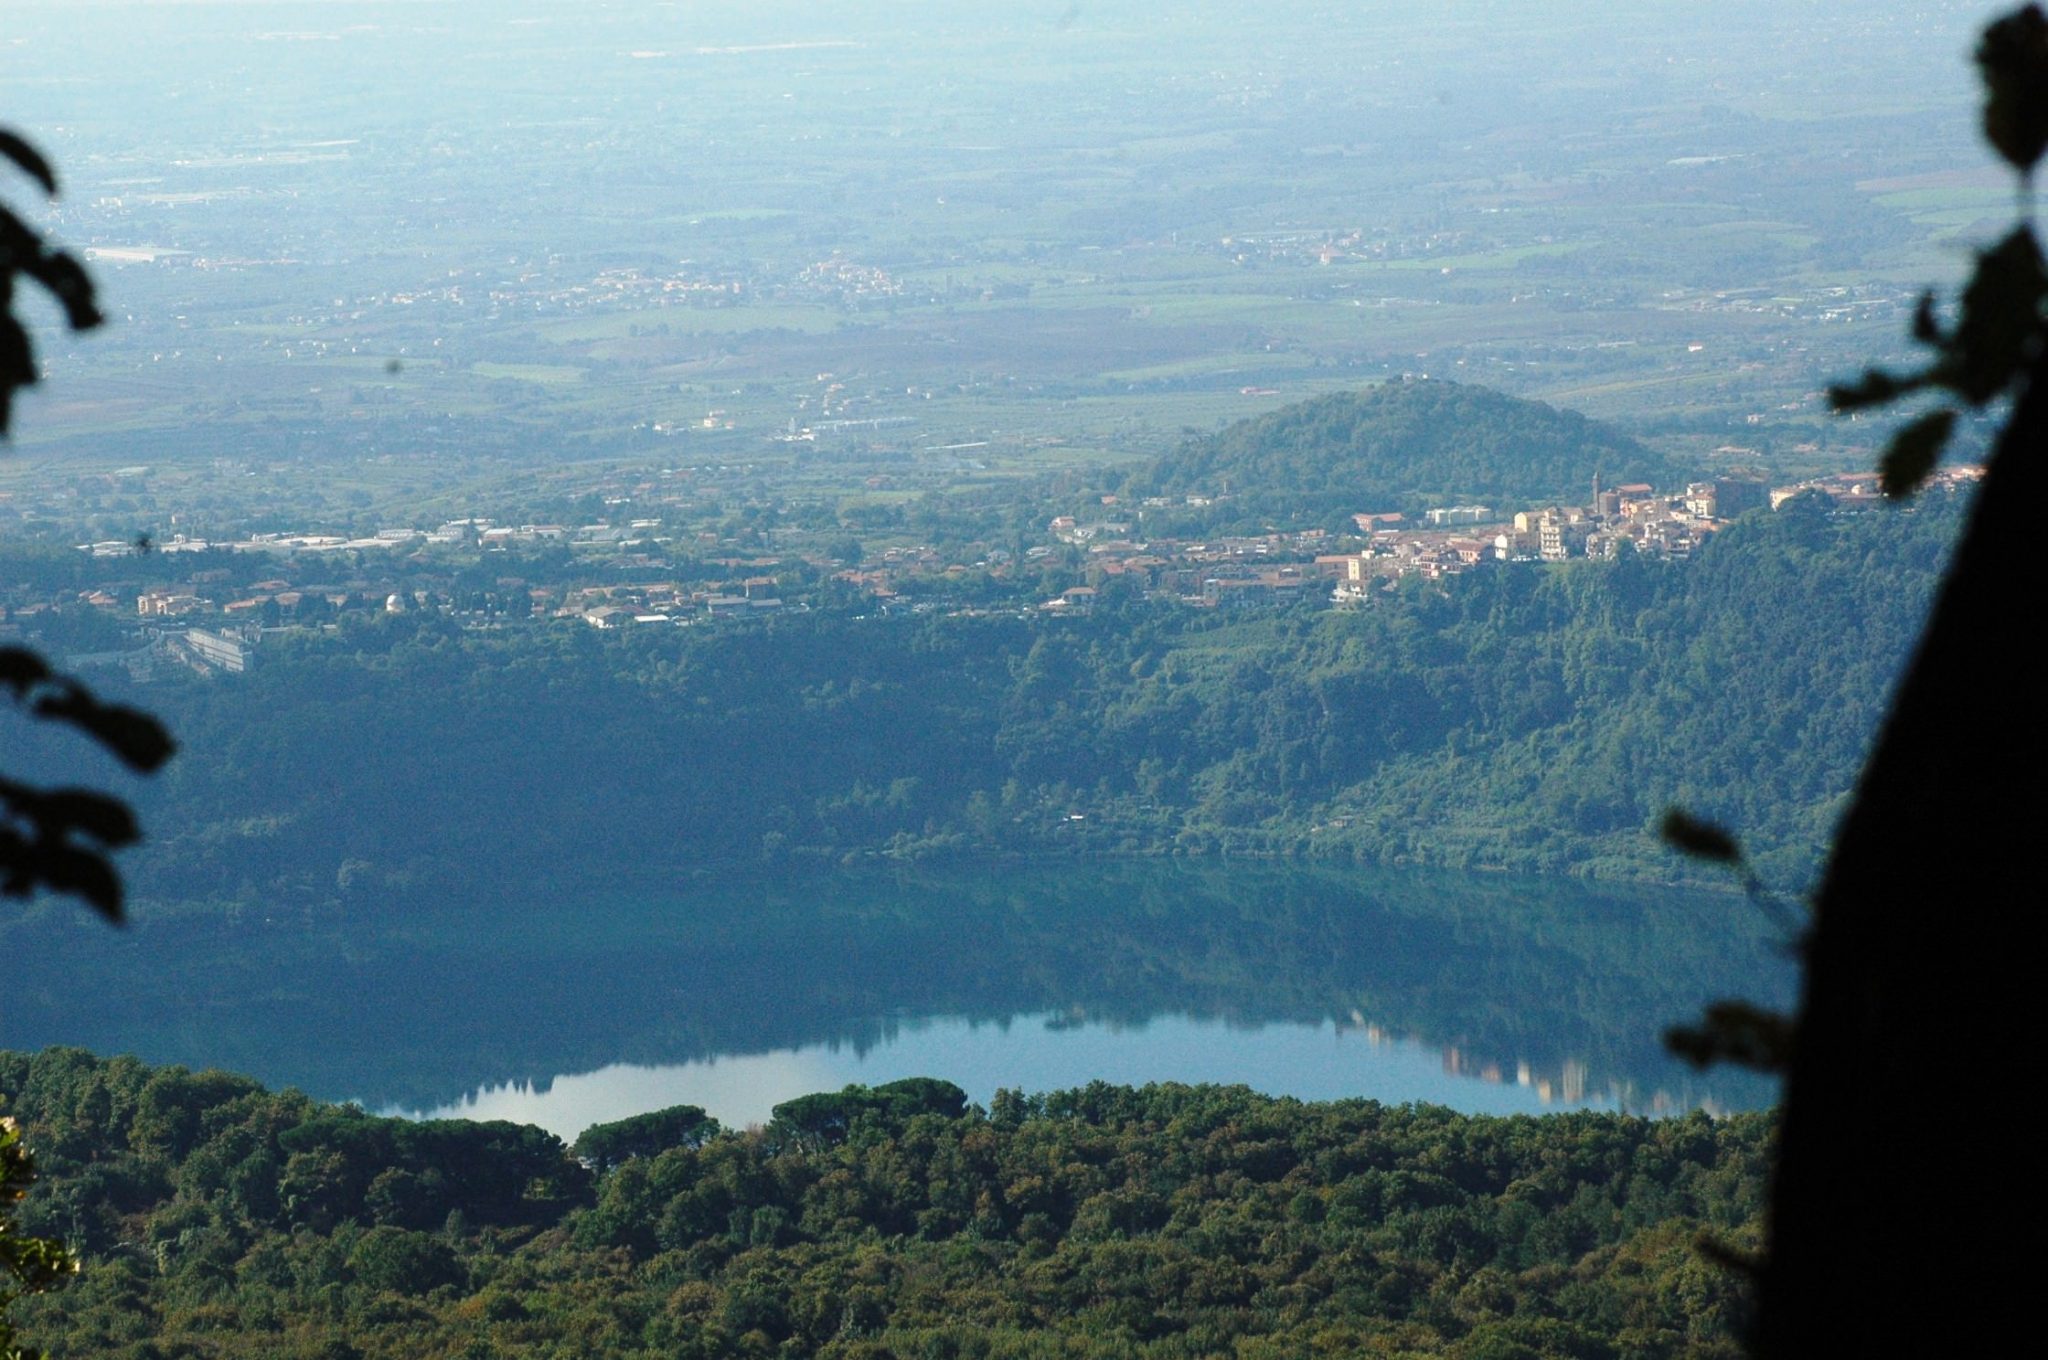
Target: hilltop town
(208,603)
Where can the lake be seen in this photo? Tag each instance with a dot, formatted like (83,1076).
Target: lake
(1482,992)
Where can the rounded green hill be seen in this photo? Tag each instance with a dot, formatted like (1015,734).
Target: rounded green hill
(1404,446)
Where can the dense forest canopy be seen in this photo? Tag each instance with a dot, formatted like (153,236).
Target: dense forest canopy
(1168,1221)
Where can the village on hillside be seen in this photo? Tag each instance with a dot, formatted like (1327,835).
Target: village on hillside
(622,573)
(1446,541)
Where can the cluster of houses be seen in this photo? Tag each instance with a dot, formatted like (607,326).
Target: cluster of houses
(479,533)
(1274,568)
(1231,569)
(669,602)
(208,621)
(1633,517)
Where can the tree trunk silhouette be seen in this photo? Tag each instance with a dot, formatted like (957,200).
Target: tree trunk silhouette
(1902,1209)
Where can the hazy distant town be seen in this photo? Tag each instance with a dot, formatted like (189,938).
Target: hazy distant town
(612,573)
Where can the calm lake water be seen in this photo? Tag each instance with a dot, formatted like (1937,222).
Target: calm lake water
(1484,993)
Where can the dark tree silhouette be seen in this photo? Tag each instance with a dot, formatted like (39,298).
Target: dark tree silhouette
(1908,1229)
(1896,1228)
(52,839)
(58,839)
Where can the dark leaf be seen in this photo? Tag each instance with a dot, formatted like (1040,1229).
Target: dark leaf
(68,282)
(14,875)
(2013,59)
(1702,840)
(17,356)
(137,739)
(1925,328)
(82,873)
(1913,453)
(1874,388)
(109,821)
(18,243)
(2000,322)
(20,669)
(1737,1032)
(30,160)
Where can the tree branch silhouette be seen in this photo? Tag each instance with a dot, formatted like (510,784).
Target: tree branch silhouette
(1896,1231)
(60,839)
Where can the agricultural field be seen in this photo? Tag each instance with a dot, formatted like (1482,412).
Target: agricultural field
(878,251)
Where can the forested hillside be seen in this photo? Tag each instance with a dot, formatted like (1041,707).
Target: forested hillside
(1529,717)
(220,1219)
(1402,446)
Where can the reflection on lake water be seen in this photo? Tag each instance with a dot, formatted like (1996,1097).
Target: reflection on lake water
(1484,993)
(1326,1061)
